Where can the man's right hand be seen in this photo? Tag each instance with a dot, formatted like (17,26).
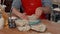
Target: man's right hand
(20,15)
(24,16)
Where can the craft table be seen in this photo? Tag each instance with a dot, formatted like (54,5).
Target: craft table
(52,27)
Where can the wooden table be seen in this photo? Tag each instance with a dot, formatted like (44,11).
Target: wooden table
(51,27)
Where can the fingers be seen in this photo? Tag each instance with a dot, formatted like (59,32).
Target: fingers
(38,12)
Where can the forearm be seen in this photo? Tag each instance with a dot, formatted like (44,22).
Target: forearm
(40,10)
(46,10)
(20,15)
(16,12)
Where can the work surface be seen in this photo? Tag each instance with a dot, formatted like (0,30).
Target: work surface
(51,27)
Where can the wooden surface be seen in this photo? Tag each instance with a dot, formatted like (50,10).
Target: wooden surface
(51,27)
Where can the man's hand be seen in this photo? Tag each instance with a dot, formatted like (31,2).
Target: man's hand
(20,15)
(24,16)
(38,12)
(47,10)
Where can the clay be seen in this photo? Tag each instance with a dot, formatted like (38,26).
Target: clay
(32,17)
(33,23)
(20,22)
(39,27)
(24,28)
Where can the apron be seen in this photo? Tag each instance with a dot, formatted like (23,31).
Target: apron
(30,7)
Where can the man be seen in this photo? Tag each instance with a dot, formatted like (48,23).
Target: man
(45,6)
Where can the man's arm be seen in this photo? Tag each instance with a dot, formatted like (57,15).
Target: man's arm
(16,8)
(47,4)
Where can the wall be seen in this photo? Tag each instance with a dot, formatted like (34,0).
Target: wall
(56,2)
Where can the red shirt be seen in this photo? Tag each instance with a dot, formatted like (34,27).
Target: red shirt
(31,5)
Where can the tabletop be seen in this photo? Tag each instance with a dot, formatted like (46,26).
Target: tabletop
(52,27)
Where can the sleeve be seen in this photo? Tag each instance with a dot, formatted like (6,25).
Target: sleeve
(16,4)
(47,3)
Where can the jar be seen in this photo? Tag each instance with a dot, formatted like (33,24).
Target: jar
(11,22)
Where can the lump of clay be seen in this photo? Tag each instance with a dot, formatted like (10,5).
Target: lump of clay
(39,27)
(34,22)
(20,22)
(24,28)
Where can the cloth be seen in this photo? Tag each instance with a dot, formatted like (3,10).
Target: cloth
(30,6)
